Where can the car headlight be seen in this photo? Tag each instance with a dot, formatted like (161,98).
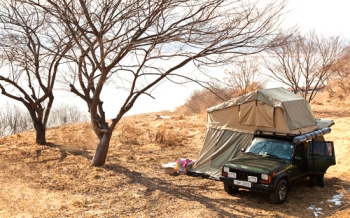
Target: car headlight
(252,179)
(232,175)
(226,169)
(264,176)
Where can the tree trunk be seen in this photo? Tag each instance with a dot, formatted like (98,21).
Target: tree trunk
(40,133)
(102,150)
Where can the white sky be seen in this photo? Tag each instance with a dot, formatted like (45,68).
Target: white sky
(324,16)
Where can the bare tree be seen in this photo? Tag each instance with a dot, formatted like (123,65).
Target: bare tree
(30,60)
(304,62)
(244,76)
(138,44)
(342,71)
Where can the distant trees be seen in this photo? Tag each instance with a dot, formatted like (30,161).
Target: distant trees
(245,76)
(30,57)
(13,120)
(65,114)
(342,71)
(304,62)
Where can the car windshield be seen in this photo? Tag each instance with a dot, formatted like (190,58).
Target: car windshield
(271,147)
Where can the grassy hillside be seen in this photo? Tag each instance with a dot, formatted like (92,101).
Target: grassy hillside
(56,180)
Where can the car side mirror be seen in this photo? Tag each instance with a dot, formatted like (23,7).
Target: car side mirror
(243,149)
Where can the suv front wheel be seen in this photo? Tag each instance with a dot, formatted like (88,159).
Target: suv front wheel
(280,194)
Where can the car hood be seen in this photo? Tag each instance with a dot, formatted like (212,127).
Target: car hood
(256,163)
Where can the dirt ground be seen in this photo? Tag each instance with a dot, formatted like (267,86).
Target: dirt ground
(57,181)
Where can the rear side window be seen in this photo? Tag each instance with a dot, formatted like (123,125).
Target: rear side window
(321,148)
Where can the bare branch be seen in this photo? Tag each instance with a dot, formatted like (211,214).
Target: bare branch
(139,44)
(31,56)
(304,62)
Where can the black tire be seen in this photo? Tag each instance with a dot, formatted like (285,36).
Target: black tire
(230,189)
(280,193)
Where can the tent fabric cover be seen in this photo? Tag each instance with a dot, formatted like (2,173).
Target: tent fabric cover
(274,110)
(219,146)
(232,124)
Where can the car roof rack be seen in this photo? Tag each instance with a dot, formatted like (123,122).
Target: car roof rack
(311,135)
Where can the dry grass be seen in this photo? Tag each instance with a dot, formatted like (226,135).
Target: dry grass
(56,180)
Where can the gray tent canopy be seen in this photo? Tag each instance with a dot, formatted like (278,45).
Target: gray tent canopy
(232,124)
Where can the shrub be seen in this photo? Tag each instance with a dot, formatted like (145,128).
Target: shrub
(129,134)
(166,135)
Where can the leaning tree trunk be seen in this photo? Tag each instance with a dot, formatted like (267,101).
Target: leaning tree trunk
(40,133)
(102,150)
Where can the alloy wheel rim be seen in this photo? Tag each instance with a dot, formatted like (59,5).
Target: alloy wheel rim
(282,192)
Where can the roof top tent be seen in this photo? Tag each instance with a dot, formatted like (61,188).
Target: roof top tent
(232,125)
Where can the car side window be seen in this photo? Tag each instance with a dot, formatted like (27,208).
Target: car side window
(321,148)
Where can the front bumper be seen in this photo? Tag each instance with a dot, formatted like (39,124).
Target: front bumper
(254,186)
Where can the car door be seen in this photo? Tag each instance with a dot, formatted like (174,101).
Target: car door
(299,162)
(320,156)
